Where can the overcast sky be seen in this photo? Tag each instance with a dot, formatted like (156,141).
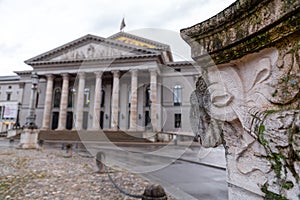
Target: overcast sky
(31,27)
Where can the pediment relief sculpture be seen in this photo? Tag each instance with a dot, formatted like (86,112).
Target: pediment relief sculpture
(91,51)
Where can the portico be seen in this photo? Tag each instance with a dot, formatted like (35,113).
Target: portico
(123,82)
(117,106)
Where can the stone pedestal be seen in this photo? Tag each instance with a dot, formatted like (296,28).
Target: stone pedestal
(13,132)
(248,95)
(29,139)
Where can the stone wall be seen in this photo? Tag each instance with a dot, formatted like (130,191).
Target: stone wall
(248,96)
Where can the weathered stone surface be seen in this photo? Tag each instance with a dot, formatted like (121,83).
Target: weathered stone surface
(255,92)
(154,192)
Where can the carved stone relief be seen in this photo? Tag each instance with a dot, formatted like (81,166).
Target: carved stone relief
(254,102)
(91,51)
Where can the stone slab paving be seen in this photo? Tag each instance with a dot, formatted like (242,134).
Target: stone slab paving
(51,174)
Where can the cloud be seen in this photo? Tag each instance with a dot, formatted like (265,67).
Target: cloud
(31,27)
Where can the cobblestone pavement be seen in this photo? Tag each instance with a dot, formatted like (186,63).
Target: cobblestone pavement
(50,174)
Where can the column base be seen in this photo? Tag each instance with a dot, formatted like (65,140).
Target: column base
(60,129)
(45,129)
(29,139)
(95,129)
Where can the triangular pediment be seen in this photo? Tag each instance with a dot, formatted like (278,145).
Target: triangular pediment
(91,50)
(90,47)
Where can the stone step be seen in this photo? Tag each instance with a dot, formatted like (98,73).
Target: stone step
(100,136)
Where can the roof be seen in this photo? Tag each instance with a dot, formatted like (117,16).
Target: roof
(9,78)
(180,63)
(158,45)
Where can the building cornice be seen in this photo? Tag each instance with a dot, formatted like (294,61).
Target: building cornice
(245,27)
(95,60)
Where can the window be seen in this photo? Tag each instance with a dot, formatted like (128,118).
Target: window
(102,97)
(147,94)
(177,95)
(86,97)
(177,120)
(70,97)
(177,70)
(37,99)
(9,87)
(129,96)
(57,95)
(8,97)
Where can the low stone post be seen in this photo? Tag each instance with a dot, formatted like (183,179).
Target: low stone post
(100,156)
(154,192)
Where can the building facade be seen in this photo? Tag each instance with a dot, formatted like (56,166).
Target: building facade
(123,82)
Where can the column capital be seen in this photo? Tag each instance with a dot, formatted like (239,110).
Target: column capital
(81,75)
(134,72)
(98,74)
(49,76)
(116,73)
(153,71)
(65,76)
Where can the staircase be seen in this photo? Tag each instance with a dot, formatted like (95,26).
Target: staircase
(96,136)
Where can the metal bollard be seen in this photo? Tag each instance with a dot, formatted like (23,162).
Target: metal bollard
(154,192)
(99,162)
(41,143)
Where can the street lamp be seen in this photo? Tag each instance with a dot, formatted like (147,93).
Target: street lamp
(29,135)
(30,120)
(17,124)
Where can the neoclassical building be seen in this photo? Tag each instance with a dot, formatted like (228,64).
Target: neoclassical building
(121,82)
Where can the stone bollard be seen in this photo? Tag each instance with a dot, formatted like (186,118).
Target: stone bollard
(99,162)
(11,142)
(154,192)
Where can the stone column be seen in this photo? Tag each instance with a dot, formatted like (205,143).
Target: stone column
(48,102)
(153,97)
(97,100)
(63,103)
(133,106)
(115,101)
(80,101)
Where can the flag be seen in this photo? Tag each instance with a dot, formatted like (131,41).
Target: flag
(122,24)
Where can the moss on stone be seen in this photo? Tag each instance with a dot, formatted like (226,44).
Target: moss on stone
(271,195)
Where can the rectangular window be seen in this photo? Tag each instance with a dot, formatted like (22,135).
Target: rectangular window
(86,97)
(177,70)
(177,95)
(8,97)
(177,120)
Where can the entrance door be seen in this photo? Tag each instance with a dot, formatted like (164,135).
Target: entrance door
(54,120)
(85,120)
(148,121)
(69,120)
(101,119)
